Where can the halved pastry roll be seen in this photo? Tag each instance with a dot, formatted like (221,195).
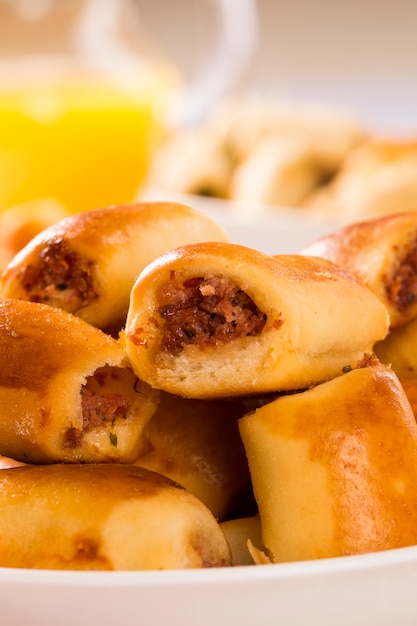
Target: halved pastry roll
(218,319)
(104,517)
(197,444)
(67,392)
(86,264)
(334,468)
(382,253)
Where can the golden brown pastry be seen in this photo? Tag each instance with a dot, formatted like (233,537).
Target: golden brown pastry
(104,517)
(382,253)
(217,320)
(334,468)
(67,392)
(197,444)
(87,263)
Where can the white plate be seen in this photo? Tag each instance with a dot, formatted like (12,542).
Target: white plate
(366,590)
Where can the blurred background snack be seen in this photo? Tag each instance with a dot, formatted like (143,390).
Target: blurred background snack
(324,76)
(378,177)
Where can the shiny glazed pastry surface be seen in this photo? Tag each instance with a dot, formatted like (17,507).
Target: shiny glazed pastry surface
(86,264)
(197,444)
(334,468)
(104,517)
(382,253)
(217,319)
(67,392)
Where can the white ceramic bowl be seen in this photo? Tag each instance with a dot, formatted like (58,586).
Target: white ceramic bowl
(367,590)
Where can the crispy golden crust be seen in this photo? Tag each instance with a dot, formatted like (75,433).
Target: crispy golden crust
(67,393)
(104,517)
(382,254)
(305,328)
(87,263)
(334,468)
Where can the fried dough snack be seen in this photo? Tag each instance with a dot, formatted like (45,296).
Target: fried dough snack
(217,320)
(197,444)
(192,161)
(330,131)
(86,264)
(67,392)
(382,253)
(104,517)
(334,468)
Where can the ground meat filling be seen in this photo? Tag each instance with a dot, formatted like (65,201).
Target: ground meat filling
(99,404)
(402,287)
(206,311)
(102,407)
(59,278)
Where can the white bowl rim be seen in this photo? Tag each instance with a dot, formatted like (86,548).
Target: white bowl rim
(300,570)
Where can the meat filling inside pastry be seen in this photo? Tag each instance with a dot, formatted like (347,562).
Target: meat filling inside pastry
(217,320)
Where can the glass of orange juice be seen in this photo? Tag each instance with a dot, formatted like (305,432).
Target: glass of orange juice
(81,111)
(84,99)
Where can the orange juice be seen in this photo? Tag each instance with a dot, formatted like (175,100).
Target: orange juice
(85,141)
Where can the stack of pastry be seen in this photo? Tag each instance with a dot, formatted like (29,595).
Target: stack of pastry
(318,159)
(74,413)
(165,382)
(257,153)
